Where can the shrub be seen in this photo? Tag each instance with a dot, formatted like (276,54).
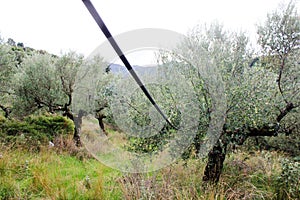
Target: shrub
(34,130)
(289,144)
(289,180)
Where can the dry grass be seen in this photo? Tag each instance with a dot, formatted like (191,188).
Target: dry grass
(66,172)
(244,177)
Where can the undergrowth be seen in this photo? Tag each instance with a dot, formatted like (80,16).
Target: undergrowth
(255,176)
(61,173)
(52,175)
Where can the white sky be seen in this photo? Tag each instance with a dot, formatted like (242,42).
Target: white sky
(62,25)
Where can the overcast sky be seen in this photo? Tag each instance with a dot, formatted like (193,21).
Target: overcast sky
(63,25)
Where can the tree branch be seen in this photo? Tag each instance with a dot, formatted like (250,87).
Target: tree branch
(289,106)
(6,110)
(279,79)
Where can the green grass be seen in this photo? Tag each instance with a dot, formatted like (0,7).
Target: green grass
(49,175)
(53,174)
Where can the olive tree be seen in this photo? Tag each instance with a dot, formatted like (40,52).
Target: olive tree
(7,71)
(262,93)
(279,38)
(47,82)
(208,47)
(92,89)
(11,58)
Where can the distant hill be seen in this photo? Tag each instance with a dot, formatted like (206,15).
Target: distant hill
(140,70)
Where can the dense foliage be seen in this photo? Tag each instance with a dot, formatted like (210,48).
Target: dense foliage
(258,91)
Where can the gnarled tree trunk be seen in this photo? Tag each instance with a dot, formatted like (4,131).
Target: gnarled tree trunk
(215,162)
(217,155)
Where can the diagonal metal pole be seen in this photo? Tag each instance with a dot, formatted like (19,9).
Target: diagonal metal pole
(121,55)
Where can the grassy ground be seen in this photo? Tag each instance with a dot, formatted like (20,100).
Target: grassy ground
(52,175)
(58,175)
(65,172)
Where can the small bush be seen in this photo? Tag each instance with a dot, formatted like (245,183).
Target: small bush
(289,180)
(289,144)
(34,130)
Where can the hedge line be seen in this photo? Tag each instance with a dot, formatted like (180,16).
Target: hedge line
(34,130)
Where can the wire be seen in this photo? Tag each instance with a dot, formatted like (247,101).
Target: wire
(121,55)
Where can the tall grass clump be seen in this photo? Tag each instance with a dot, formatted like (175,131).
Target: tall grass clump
(48,174)
(245,176)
